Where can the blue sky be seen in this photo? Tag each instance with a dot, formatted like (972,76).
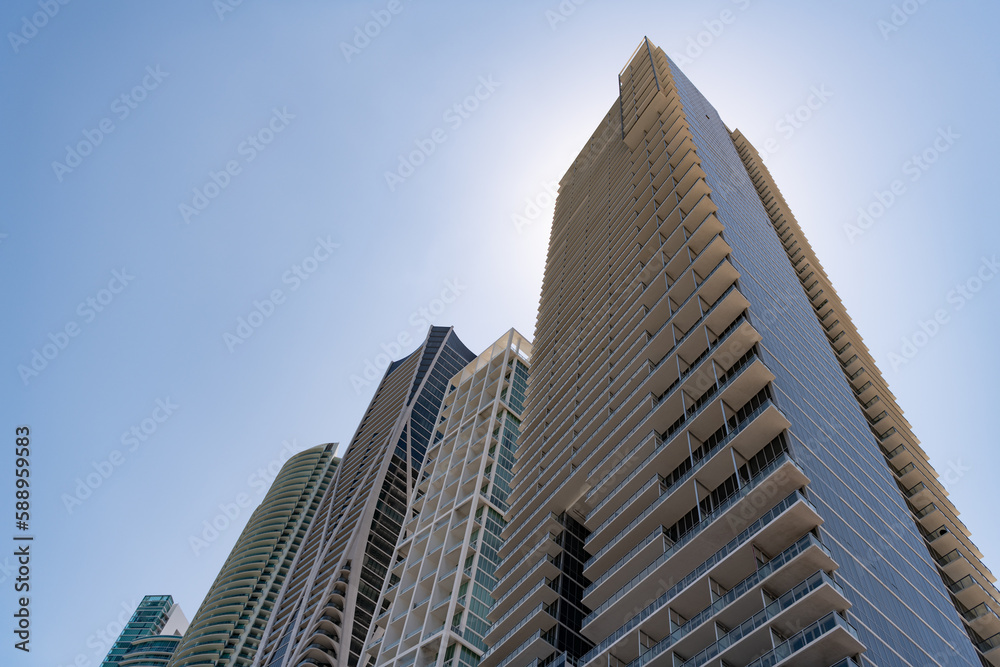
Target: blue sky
(218,254)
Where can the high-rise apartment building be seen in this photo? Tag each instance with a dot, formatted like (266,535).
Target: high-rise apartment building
(969,582)
(152,651)
(228,626)
(711,470)
(434,611)
(328,602)
(151,634)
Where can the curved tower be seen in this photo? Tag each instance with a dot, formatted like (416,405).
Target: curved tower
(229,623)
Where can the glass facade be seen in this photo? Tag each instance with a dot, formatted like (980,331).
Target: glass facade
(149,619)
(900,608)
(154,651)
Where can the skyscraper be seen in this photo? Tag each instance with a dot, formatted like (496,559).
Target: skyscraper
(440,587)
(151,651)
(328,602)
(151,634)
(227,628)
(702,476)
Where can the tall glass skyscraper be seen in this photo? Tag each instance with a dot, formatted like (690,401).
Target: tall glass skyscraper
(151,634)
(711,469)
(328,602)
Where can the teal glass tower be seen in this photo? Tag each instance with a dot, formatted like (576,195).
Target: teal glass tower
(151,634)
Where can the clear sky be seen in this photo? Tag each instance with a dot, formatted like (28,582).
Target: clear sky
(199,242)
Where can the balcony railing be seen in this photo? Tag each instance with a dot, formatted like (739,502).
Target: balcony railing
(534,568)
(530,615)
(989,644)
(531,551)
(551,515)
(545,581)
(513,654)
(558,444)
(733,432)
(722,338)
(666,441)
(731,596)
(697,528)
(713,560)
(743,629)
(799,641)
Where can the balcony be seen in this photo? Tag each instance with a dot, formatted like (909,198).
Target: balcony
(726,307)
(782,572)
(983,619)
(810,600)
(738,333)
(828,640)
(535,622)
(970,592)
(778,478)
(919,495)
(535,647)
(761,425)
(705,418)
(779,526)
(990,649)
(541,593)
(942,540)
(909,475)
(548,544)
(544,568)
(716,288)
